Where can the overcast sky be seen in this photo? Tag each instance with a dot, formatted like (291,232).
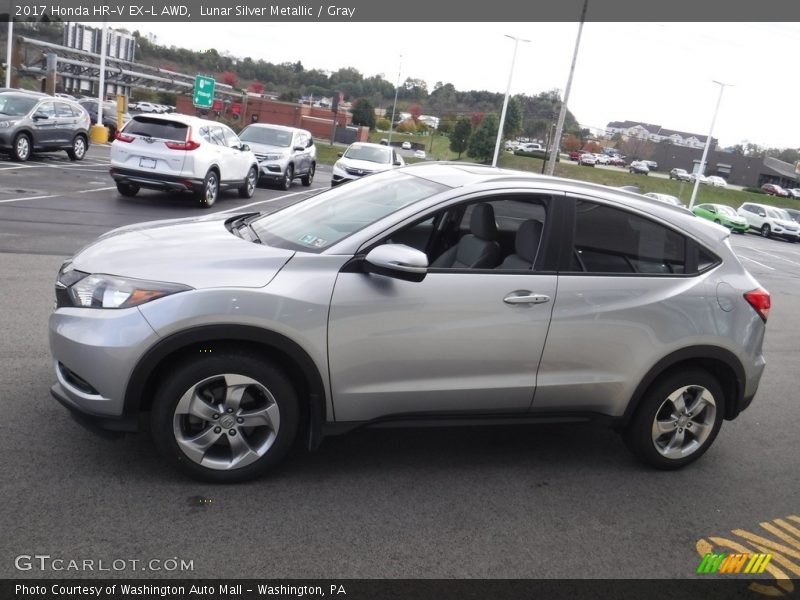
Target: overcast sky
(659,73)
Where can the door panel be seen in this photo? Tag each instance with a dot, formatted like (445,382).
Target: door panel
(447,343)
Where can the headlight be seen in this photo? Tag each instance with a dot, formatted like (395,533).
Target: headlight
(108,291)
(274,156)
(7,124)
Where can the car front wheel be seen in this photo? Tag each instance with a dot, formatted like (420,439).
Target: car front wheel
(286,182)
(225,417)
(21,150)
(677,420)
(765,230)
(249,186)
(309,177)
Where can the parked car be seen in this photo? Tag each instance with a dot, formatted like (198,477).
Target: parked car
(794,214)
(110,114)
(774,190)
(716,181)
(420,154)
(587,160)
(618,161)
(180,153)
(794,192)
(284,153)
(144,107)
(602,159)
(362,159)
(722,215)
(38,123)
(665,198)
(576,154)
(639,167)
(769,222)
(406,146)
(651,164)
(698,177)
(531,147)
(680,175)
(420,295)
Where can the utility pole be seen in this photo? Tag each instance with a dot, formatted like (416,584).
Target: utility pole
(505,100)
(702,170)
(556,145)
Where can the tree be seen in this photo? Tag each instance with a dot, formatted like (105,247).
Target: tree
(571,143)
(416,112)
(459,139)
(476,118)
(256,87)
(229,78)
(513,123)
(383,124)
(482,143)
(364,113)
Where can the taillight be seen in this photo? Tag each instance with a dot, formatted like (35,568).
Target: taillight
(760,301)
(189,144)
(123,138)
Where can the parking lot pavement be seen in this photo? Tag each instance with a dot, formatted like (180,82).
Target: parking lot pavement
(523,502)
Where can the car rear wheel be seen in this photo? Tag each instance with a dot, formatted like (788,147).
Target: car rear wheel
(207,195)
(765,230)
(249,186)
(21,149)
(127,189)
(78,150)
(225,417)
(309,177)
(677,420)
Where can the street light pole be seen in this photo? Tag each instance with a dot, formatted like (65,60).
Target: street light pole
(702,169)
(394,106)
(505,100)
(556,145)
(8,47)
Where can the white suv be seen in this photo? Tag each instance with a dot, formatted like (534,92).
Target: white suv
(362,158)
(182,153)
(283,153)
(769,221)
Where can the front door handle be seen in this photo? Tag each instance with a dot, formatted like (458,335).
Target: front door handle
(525,298)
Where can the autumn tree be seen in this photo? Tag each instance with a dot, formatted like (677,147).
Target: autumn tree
(229,78)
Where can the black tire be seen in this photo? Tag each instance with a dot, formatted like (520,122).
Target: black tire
(765,230)
(127,189)
(209,377)
(249,186)
(640,435)
(208,193)
(286,182)
(22,148)
(717,221)
(309,177)
(79,147)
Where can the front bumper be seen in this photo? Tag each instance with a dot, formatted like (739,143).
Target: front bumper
(94,352)
(156,181)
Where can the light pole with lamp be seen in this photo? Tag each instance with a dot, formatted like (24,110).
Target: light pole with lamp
(394,106)
(702,169)
(505,101)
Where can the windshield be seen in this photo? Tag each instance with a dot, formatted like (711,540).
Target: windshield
(266,136)
(376,154)
(319,222)
(16,106)
(783,214)
(775,213)
(726,210)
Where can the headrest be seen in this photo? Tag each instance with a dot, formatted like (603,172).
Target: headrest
(526,242)
(482,222)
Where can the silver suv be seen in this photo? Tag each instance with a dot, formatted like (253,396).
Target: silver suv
(432,293)
(32,122)
(283,153)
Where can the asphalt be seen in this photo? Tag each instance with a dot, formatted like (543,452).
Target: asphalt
(559,501)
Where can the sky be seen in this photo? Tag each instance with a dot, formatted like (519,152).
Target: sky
(659,73)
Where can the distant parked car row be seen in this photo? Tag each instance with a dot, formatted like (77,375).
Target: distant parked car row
(150,107)
(776,190)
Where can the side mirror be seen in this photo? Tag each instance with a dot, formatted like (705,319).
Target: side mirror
(38,116)
(397,163)
(244,147)
(761,213)
(398,261)
(299,148)
(340,154)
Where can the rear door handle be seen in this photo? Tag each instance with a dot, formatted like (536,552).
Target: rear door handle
(525,298)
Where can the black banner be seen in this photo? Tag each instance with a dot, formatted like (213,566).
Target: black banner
(718,588)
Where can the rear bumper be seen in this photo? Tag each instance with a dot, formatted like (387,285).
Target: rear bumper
(156,181)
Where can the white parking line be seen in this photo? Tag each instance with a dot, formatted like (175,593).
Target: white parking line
(102,189)
(755,261)
(774,255)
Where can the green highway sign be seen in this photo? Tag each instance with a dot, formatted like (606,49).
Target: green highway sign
(203,96)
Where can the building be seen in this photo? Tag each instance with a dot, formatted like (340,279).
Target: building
(119,44)
(656,133)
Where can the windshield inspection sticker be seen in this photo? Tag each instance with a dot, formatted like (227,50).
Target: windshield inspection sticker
(311,240)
